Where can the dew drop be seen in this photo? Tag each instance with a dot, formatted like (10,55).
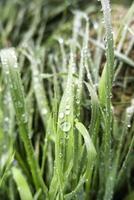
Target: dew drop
(7,72)
(61,41)
(103,22)
(129,125)
(60,155)
(6,119)
(77,101)
(67,112)
(61,115)
(24,118)
(130,110)
(44,111)
(73,68)
(67,137)
(96,25)
(15,65)
(65,126)
(61,140)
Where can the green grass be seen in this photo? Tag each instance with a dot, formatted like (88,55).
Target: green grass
(60,138)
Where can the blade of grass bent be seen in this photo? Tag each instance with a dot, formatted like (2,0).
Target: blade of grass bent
(91,154)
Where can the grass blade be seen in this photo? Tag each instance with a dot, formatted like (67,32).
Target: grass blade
(10,65)
(22,184)
(91,154)
(105,84)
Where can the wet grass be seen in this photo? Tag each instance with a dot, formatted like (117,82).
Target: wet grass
(60,137)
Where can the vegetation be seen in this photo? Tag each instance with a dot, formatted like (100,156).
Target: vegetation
(66,120)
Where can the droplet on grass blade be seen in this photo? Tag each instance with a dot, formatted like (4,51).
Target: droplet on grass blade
(77,101)
(60,155)
(24,118)
(65,126)
(67,111)
(61,115)
(130,111)
(67,137)
(7,72)
(10,53)
(61,40)
(44,111)
(6,119)
(96,25)
(6,124)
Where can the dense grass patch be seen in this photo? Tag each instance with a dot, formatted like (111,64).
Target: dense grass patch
(65,130)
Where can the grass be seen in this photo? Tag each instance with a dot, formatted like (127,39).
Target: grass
(60,137)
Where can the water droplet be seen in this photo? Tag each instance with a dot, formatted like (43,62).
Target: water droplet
(61,140)
(65,126)
(61,41)
(60,155)
(15,65)
(30,135)
(77,101)
(129,125)
(130,110)
(7,72)
(67,112)
(73,68)
(61,115)
(85,51)
(6,119)
(44,111)
(111,96)
(24,118)
(74,176)
(103,22)
(96,25)
(67,137)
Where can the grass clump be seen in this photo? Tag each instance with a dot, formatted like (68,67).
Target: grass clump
(60,136)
